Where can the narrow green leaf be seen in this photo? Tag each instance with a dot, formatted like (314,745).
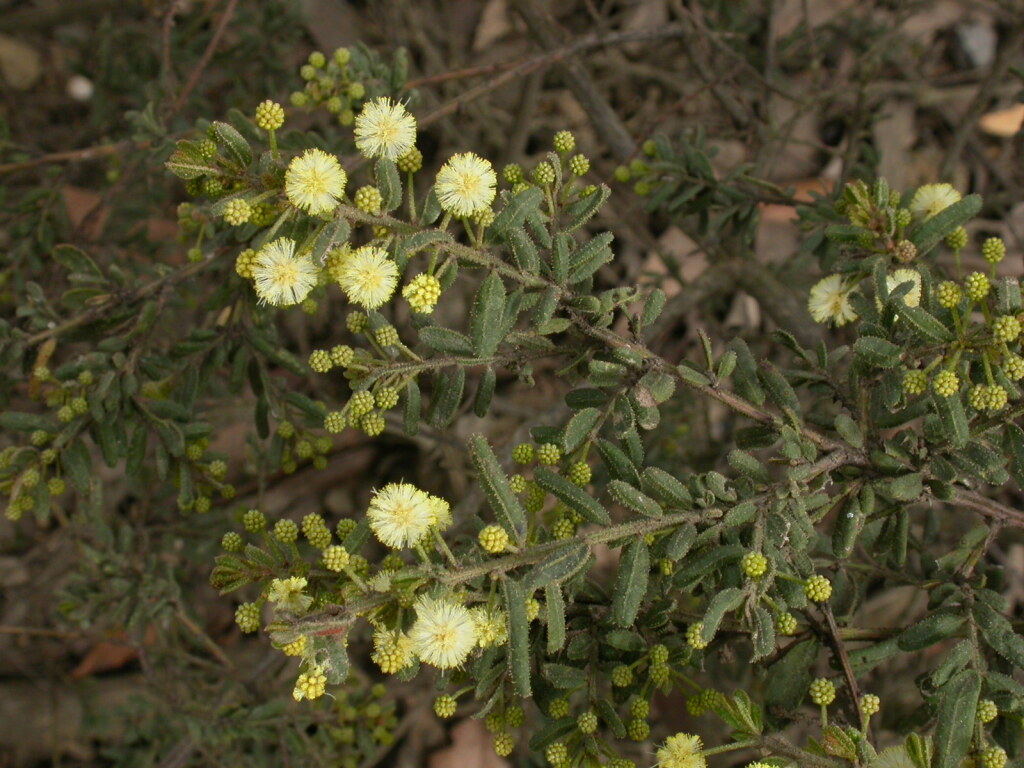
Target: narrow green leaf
(849,522)
(950,411)
(448,388)
(747,465)
(619,465)
(931,232)
(485,325)
(555,604)
(572,496)
(630,582)
(518,637)
(588,258)
(234,144)
(849,430)
(579,428)
(562,564)
(999,634)
(515,212)
(630,497)
(25,422)
(723,602)
(935,627)
(583,209)
(560,259)
(411,408)
(654,388)
(954,725)
(485,392)
(762,633)
(503,501)
(667,488)
(446,341)
(652,307)
(524,251)
(874,352)
(564,676)
(925,324)
(389,183)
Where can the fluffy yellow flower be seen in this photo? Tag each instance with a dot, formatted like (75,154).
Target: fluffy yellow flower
(279,276)
(314,181)
(465,184)
(489,626)
(385,129)
(443,634)
(441,512)
(368,276)
(287,594)
(913,297)
(682,751)
(830,301)
(400,514)
(932,198)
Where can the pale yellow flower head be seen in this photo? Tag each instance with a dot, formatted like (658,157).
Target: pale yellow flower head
(829,301)
(400,514)
(443,634)
(489,625)
(900,276)
(287,594)
(315,181)
(682,751)
(465,185)
(368,276)
(441,512)
(385,129)
(280,277)
(930,199)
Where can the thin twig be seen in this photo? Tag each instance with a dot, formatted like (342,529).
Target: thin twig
(204,60)
(75,155)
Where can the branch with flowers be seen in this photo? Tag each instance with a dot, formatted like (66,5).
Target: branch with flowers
(834,468)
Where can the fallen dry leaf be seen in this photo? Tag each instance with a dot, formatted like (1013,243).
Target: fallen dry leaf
(1004,123)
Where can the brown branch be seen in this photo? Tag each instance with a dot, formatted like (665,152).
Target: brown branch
(607,124)
(204,60)
(839,648)
(75,155)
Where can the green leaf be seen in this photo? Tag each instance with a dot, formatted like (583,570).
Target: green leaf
(515,212)
(723,602)
(630,497)
(485,392)
(561,564)
(652,307)
(485,326)
(849,522)
(779,390)
(1008,297)
(411,408)
(937,626)
(931,232)
(678,543)
(583,209)
(448,388)
(925,324)
(446,341)
(630,582)
(654,388)
(667,488)
(999,634)
(587,259)
(555,605)
(849,430)
(691,375)
(950,411)
(619,465)
(565,677)
(874,352)
(25,422)
(389,183)
(560,259)
(747,465)
(788,679)
(524,251)
(954,725)
(572,496)
(503,501)
(762,633)
(234,144)
(186,162)
(518,637)
(579,428)
(706,562)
